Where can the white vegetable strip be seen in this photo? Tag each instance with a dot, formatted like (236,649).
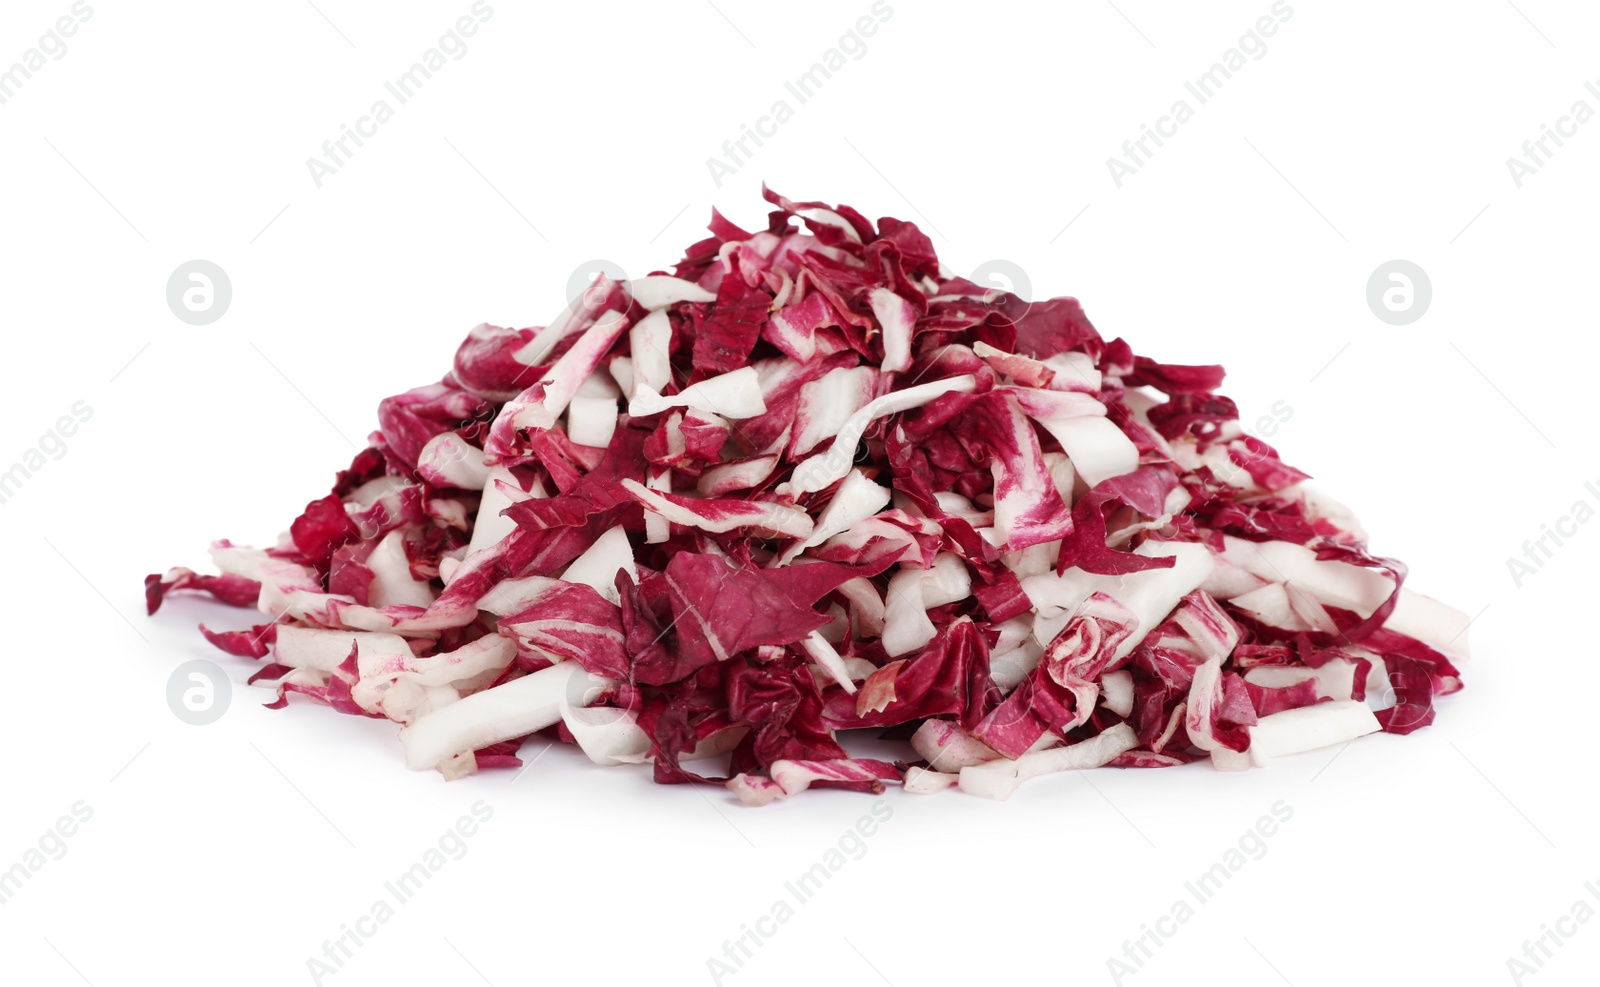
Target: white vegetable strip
(392,582)
(592,413)
(1011,364)
(730,477)
(827,404)
(1008,668)
(293,591)
(1062,475)
(661,290)
(1274,605)
(720,516)
(824,655)
(597,567)
(238,560)
(790,777)
(906,626)
(650,348)
(717,744)
(542,404)
(545,341)
(1053,409)
(998,779)
(1117,690)
(621,368)
(1150,594)
(822,469)
(404,701)
(514,709)
(1224,759)
(947,747)
(830,217)
(448,460)
(947,581)
(1430,622)
(305,647)
(465,669)
(912,592)
(499,493)
(369,493)
(578,316)
(1075,371)
(895,315)
(657,529)
(608,736)
(1308,728)
(755,790)
(1321,505)
(735,394)
(1013,633)
(1097,447)
(1335,583)
(866,604)
(1205,692)
(921,781)
(795,777)
(1349,587)
(857,499)
(511,596)
(1335,680)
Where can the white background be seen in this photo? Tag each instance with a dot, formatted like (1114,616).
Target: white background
(1367,132)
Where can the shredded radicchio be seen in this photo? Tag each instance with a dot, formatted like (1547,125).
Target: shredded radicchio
(809,482)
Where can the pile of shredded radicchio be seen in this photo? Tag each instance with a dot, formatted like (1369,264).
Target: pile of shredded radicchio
(809,482)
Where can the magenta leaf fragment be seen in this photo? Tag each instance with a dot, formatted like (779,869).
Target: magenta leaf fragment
(229,588)
(805,484)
